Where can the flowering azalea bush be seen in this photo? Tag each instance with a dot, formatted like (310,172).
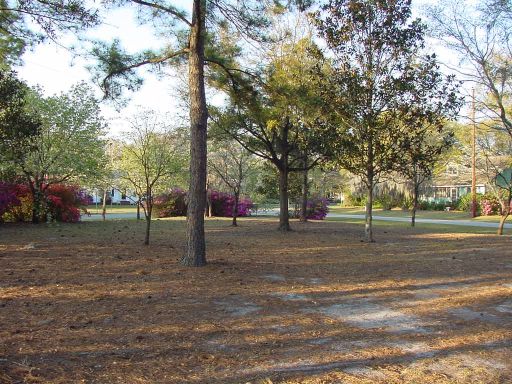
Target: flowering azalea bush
(15,202)
(223,203)
(65,202)
(317,208)
(172,203)
(62,202)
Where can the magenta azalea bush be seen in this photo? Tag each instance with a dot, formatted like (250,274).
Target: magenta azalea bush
(171,204)
(64,203)
(223,203)
(174,203)
(317,208)
(9,197)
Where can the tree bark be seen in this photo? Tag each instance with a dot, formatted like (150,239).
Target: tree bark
(148,212)
(284,218)
(505,212)
(414,204)
(368,229)
(196,247)
(305,191)
(104,205)
(138,208)
(38,202)
(235,208)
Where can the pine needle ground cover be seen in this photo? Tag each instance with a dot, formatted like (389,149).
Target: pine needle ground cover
(88,303)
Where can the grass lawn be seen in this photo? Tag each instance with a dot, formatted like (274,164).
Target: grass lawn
(440,215)
(88,303)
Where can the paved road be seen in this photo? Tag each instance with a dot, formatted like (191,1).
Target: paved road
(275,212)
(465,223)
(110,216)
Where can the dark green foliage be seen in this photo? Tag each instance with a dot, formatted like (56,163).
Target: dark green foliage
(381,88)
(18,125)
(24,23)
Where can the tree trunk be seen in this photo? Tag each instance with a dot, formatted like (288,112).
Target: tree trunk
(368,229)
(208,211)
(196,247)
(104,205)
(38,202)
(414,204)
(138,208)
(148,212)
(305,192)
(501,226)
(284,218)
(36,205)
(235,208)
(505,212)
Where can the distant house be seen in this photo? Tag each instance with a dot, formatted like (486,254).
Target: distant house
(115,196)
(452,184)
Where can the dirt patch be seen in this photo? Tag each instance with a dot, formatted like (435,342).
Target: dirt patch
(88,303)
(363,313)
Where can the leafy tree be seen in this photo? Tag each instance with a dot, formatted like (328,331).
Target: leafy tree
(199,41)
(277,119)
(68,147)
(18,124)
(150,160)
(421,154)
(378,79)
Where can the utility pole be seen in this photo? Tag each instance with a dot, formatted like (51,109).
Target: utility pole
(473,159)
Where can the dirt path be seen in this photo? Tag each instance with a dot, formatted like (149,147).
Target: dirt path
(313,306)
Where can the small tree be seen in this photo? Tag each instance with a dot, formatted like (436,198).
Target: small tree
(278,119)
(378,77)
(149,160)
(68,147)
(232,164)
(421,153)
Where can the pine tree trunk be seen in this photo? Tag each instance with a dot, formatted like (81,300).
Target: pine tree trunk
(196,247)
(284,218)
(305,191)
(368,229)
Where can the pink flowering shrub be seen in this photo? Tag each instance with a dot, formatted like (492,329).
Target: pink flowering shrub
(223,203)
(9,197)
(317,208)
(63,202)
(172,203)
(489,205)
(15,202)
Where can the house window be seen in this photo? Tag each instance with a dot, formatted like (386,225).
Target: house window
(452,170)
(123,195)
(441,192)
